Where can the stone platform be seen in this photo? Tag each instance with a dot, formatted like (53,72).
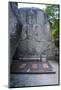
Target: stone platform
(31,67)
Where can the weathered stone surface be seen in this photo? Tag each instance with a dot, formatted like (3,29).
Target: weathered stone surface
(15,29)
(34,35)
(35,38)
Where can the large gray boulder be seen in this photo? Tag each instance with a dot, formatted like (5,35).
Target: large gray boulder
(35,38)
(30,32)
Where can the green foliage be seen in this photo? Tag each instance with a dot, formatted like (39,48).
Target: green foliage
(53,12)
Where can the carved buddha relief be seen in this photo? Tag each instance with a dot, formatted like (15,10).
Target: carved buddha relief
(35,34)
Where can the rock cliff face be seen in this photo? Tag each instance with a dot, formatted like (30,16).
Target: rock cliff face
(35,37)
(15,29)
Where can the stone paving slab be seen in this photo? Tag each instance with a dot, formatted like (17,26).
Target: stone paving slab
(25,80)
